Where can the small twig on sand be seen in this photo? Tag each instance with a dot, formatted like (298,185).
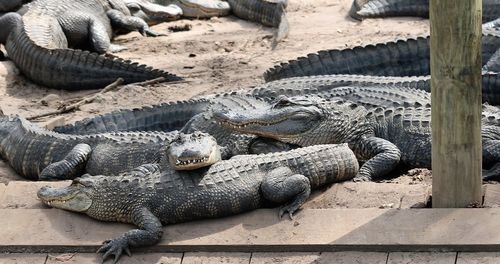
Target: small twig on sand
(90,98)
(77,105)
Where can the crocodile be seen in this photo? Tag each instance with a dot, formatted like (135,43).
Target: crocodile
(361,9)
(45,43)
(38,154)
(149,197)
(404,57)
(382,137)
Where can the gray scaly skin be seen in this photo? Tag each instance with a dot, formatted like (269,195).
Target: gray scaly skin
(268,13)
(149,199)
(361,9)
(383,137)
(38,154)
(408,57)
(41,43)
(199,8)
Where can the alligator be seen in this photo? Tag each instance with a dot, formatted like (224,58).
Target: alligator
(41,43)
(361,9)
(149,198)
(268,13)
(409,57)
(199,8)
(39,154)
(383,137)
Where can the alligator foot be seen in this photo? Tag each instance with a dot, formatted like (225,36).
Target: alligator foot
(69,167)
(113,48)
(114,247)
(281,185)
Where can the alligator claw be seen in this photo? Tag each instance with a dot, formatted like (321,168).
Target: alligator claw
(361,178)
(151,33)
(287,209)
(114,247)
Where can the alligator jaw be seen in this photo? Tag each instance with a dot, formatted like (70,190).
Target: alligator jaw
(278,124)
(71,198)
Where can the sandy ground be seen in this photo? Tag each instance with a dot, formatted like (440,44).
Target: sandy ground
(215,55)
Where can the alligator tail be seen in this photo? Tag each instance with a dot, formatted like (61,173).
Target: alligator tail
(401,58)
(388,8)
(163,117)
(71,69)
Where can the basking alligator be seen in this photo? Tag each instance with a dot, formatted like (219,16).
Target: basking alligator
(39,43)
(38,154)
(361,9)
(382,136)
(408,57)
(149,198)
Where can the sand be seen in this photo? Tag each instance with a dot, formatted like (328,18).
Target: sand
(216,55)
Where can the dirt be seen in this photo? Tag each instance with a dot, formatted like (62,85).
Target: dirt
(213,55)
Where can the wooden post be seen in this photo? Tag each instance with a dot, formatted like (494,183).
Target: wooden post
(456,102)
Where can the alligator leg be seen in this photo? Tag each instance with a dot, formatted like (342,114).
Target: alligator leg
(2,56)
(281,185)
(70,166)
(383,157)
(149,233)
(120,20)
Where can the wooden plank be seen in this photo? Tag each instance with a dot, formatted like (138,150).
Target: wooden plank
(422,257)
(22,258)
(137,258)
(347,257)
(492,195)
(53,230)
(370,195)
(456,102)
(216,258)
(478,258)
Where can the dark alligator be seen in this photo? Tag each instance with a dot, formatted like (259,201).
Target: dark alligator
(361,9)
(41,43)
(382,136)
(38,154)
(174,115)
(268,13)
(408,57)
(149,198)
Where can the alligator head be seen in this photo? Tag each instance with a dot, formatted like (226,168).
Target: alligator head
(76,197)
(153,13)
(300,120)
(193,151)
